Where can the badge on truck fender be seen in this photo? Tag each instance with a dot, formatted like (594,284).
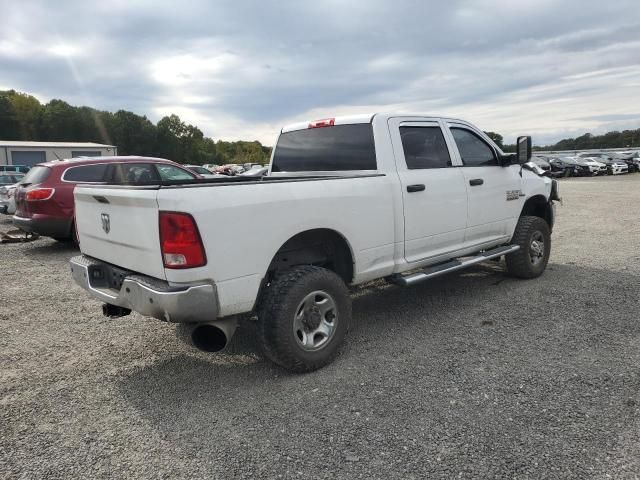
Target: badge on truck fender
(513,194)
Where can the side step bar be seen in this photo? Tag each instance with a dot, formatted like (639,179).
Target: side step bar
(451,266)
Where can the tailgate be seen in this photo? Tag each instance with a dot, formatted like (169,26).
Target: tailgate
(120,226)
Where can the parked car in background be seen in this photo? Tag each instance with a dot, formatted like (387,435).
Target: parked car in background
(601,156)
(635,158)
(44,198)
(200,170)
(614,167)
(8,183)
(15,168)
(568,167)
(256,171)
(633,164)
(542,163)
(617,167)
(230,169)
(595,167)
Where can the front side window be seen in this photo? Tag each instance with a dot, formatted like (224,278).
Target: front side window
(86,173)
(326,149)
(169,172)
(424,147)
(474,151)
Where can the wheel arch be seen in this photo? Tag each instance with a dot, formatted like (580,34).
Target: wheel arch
(323,247)
(539,206)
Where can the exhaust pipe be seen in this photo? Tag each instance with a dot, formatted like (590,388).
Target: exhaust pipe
(209,337)
(114,311)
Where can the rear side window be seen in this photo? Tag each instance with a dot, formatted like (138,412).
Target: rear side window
(424,147)
(474,151)
(37,174)
(336,148)
(134,173)
(86,173)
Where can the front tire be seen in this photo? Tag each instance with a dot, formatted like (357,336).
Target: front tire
(303,318)
(534,238)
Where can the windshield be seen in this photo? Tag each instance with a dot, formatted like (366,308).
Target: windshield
(37,174)
(335,148)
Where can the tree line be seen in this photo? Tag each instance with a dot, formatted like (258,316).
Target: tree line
(588,141)
(23,117)
(615,139)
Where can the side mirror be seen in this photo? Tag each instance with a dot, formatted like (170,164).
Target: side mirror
(524,150)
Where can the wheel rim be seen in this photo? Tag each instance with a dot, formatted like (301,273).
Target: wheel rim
(315,321)
(536,248)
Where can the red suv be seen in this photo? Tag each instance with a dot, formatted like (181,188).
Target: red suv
(44,197)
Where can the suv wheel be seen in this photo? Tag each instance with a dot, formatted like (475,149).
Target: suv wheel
(533,236)
(303,318)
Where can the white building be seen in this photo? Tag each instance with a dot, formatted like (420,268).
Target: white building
(30,153)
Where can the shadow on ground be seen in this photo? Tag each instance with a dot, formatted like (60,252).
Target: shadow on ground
(451,321)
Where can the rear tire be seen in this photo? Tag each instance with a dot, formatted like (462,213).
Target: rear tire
(303,318)
(534,238)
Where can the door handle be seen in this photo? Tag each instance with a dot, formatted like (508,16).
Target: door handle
(474,182)
(419,187)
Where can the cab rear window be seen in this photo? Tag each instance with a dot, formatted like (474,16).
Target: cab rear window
(325,149)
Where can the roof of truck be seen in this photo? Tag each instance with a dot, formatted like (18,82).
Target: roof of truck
(360,118)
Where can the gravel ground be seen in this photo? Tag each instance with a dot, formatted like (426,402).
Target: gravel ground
(472,375)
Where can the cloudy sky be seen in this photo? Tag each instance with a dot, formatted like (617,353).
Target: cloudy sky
(241,69)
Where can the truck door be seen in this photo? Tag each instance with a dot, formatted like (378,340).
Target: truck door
(433,190)
(494,191)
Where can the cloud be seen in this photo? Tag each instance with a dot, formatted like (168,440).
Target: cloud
(241,69)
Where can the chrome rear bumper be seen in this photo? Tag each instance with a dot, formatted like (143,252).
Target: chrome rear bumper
(189,303)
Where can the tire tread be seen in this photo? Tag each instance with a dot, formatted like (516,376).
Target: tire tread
(518,263)
(272,307)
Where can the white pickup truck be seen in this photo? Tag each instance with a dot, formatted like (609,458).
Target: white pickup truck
(346,200)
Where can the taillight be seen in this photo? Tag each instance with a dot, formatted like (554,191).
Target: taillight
(325,122)
(180,241)
(38,194)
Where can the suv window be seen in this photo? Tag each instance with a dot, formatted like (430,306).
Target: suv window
(37,174)
(474,151)
(86,173)
(134,173)
(169,172)
(335,148)
(424,147)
